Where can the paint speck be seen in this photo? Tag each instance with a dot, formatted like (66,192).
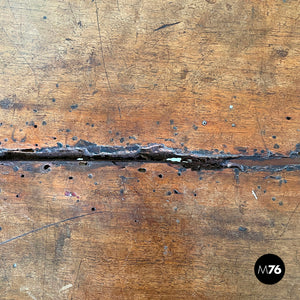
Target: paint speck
(177,221)
(166,250)
(96,183)
(274,136)
(157,122)
(68,194)
(280,203)
(59,145)
(53,99)
(57,85)
(241,228)
(276,146)
(74,106)
(15,168)
(74,138)
(44,17)
(132,137)
(90,176)
(171,122)
(230,106)
(195,127)
(44,123)
(169,193)
(273,198)
(121,140)
(14,265)
(204,123)
(233,125)
(174,159)
(253,193)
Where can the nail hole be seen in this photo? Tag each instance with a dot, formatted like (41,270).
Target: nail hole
(46,167)
(142,170)
(288,118)
(35,126)
(22,175)
(71,177)
(160,176)
(93,208)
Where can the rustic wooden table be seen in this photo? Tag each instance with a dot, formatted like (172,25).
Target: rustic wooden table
(149,149)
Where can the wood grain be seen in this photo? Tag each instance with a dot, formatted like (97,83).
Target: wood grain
(113,232)
(218,76)
(117,72)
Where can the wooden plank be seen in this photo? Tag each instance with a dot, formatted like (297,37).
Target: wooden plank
(117,72)
(100,230)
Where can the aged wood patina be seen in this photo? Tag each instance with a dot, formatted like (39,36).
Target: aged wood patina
(149,149)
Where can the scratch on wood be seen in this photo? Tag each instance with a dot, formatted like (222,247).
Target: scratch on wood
(166,25)
(101,47)
(65,287)
(47,226)
(291,216)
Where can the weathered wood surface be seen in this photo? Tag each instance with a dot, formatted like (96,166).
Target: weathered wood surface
(135,241)
(117,72)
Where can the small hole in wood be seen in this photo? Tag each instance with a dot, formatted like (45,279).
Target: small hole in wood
(46,167)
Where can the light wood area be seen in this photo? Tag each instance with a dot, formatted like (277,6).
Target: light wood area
(132,240)
(103,71)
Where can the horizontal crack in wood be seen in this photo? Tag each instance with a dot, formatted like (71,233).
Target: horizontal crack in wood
(196,160)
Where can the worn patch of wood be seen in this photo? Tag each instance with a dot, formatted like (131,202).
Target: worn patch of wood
(97,230)
(102,72)
(129,88)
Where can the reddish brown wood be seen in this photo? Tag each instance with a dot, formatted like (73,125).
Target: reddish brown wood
(133,240)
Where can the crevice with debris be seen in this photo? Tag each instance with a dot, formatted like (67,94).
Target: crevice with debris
(195,160)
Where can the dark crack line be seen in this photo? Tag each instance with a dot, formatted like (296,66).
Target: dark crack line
(47,226)
(195,160)
(166,25)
